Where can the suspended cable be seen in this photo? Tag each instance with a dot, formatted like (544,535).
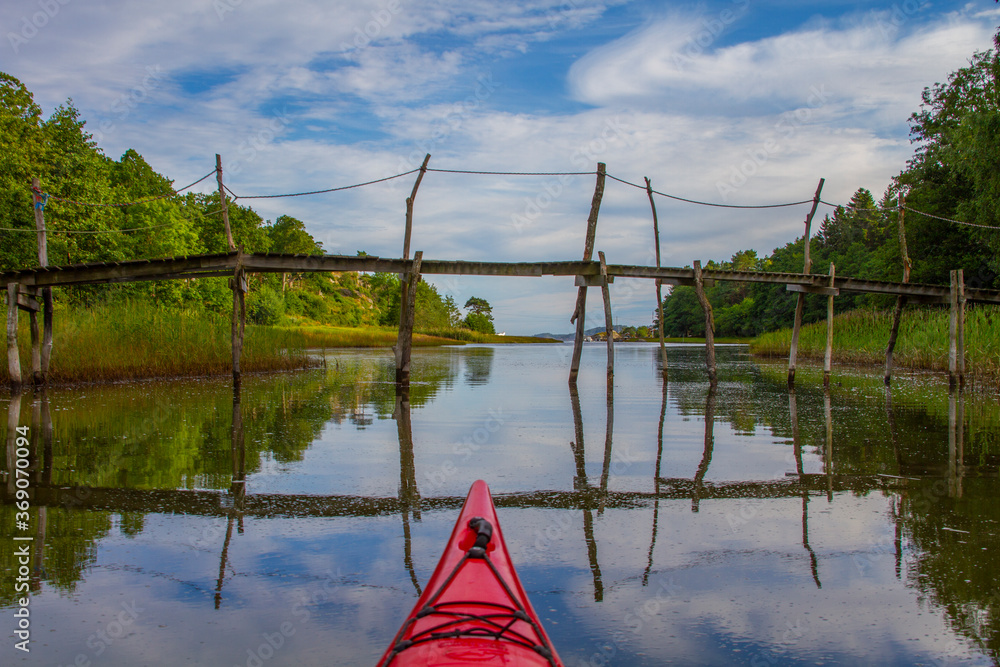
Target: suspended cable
(318,192)
(705,203)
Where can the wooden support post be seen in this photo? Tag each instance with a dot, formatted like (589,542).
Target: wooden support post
(36,349)
(953,332)
(404,340)
(793,349)
(13,354)
(239,286)
(579,315)
(659,283)
(897,314)
(409,207)
(828,356)
(222,201)
(699,288)
(956,331)
(40,355)
(608,321)
(46,332)
(407,287)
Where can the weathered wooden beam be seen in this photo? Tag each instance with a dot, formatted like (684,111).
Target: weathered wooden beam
(27,301)
(595,281)
(807,289)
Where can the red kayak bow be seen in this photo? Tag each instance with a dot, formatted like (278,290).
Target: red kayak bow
(474,610)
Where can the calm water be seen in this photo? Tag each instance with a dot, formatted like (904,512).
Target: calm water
(673,526)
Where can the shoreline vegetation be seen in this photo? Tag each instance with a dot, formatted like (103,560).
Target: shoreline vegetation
(860,337)
(137,340)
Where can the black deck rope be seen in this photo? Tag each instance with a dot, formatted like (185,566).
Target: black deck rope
(509,614)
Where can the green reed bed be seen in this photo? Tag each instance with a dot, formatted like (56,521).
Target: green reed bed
(124,341)
(861,337)
(330,336)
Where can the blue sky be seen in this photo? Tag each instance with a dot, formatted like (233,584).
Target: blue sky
(736,101)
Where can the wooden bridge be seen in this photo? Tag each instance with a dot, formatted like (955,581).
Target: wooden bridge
(30,289)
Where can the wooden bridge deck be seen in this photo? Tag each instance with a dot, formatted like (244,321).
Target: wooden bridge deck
(224,264)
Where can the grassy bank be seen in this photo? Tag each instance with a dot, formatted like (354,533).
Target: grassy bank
(137,340)
(861,337)
(130,341)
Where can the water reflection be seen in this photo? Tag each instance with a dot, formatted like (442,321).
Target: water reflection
(115,458)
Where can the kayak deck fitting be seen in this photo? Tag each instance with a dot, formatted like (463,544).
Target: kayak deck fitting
(474,609)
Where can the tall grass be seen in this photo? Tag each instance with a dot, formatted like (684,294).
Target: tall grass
(861,336)
(124,341)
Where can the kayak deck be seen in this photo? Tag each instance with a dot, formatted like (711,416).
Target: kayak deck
(474,609)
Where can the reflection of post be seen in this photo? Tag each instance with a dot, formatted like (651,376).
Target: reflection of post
(237,489)
(409,495)
(579,453)
(793,413)
(828,412)
(706,457)
(956,417)
(580,484)
(38,437)
(606,470)
(13,417)
(45,477)
(656,481)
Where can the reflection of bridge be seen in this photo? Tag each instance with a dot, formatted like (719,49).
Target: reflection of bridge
(586,497)
(220,503)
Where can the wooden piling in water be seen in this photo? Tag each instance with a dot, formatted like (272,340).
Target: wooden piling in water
(579,314)
(13,355)
(608,321)
(659,283)
(222,202)
(956,331)
(793,349)
(404,340)
(828,354)
(408,289)
(409,207)
(699,288)
(897,314)
(238,283)
(41,352)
